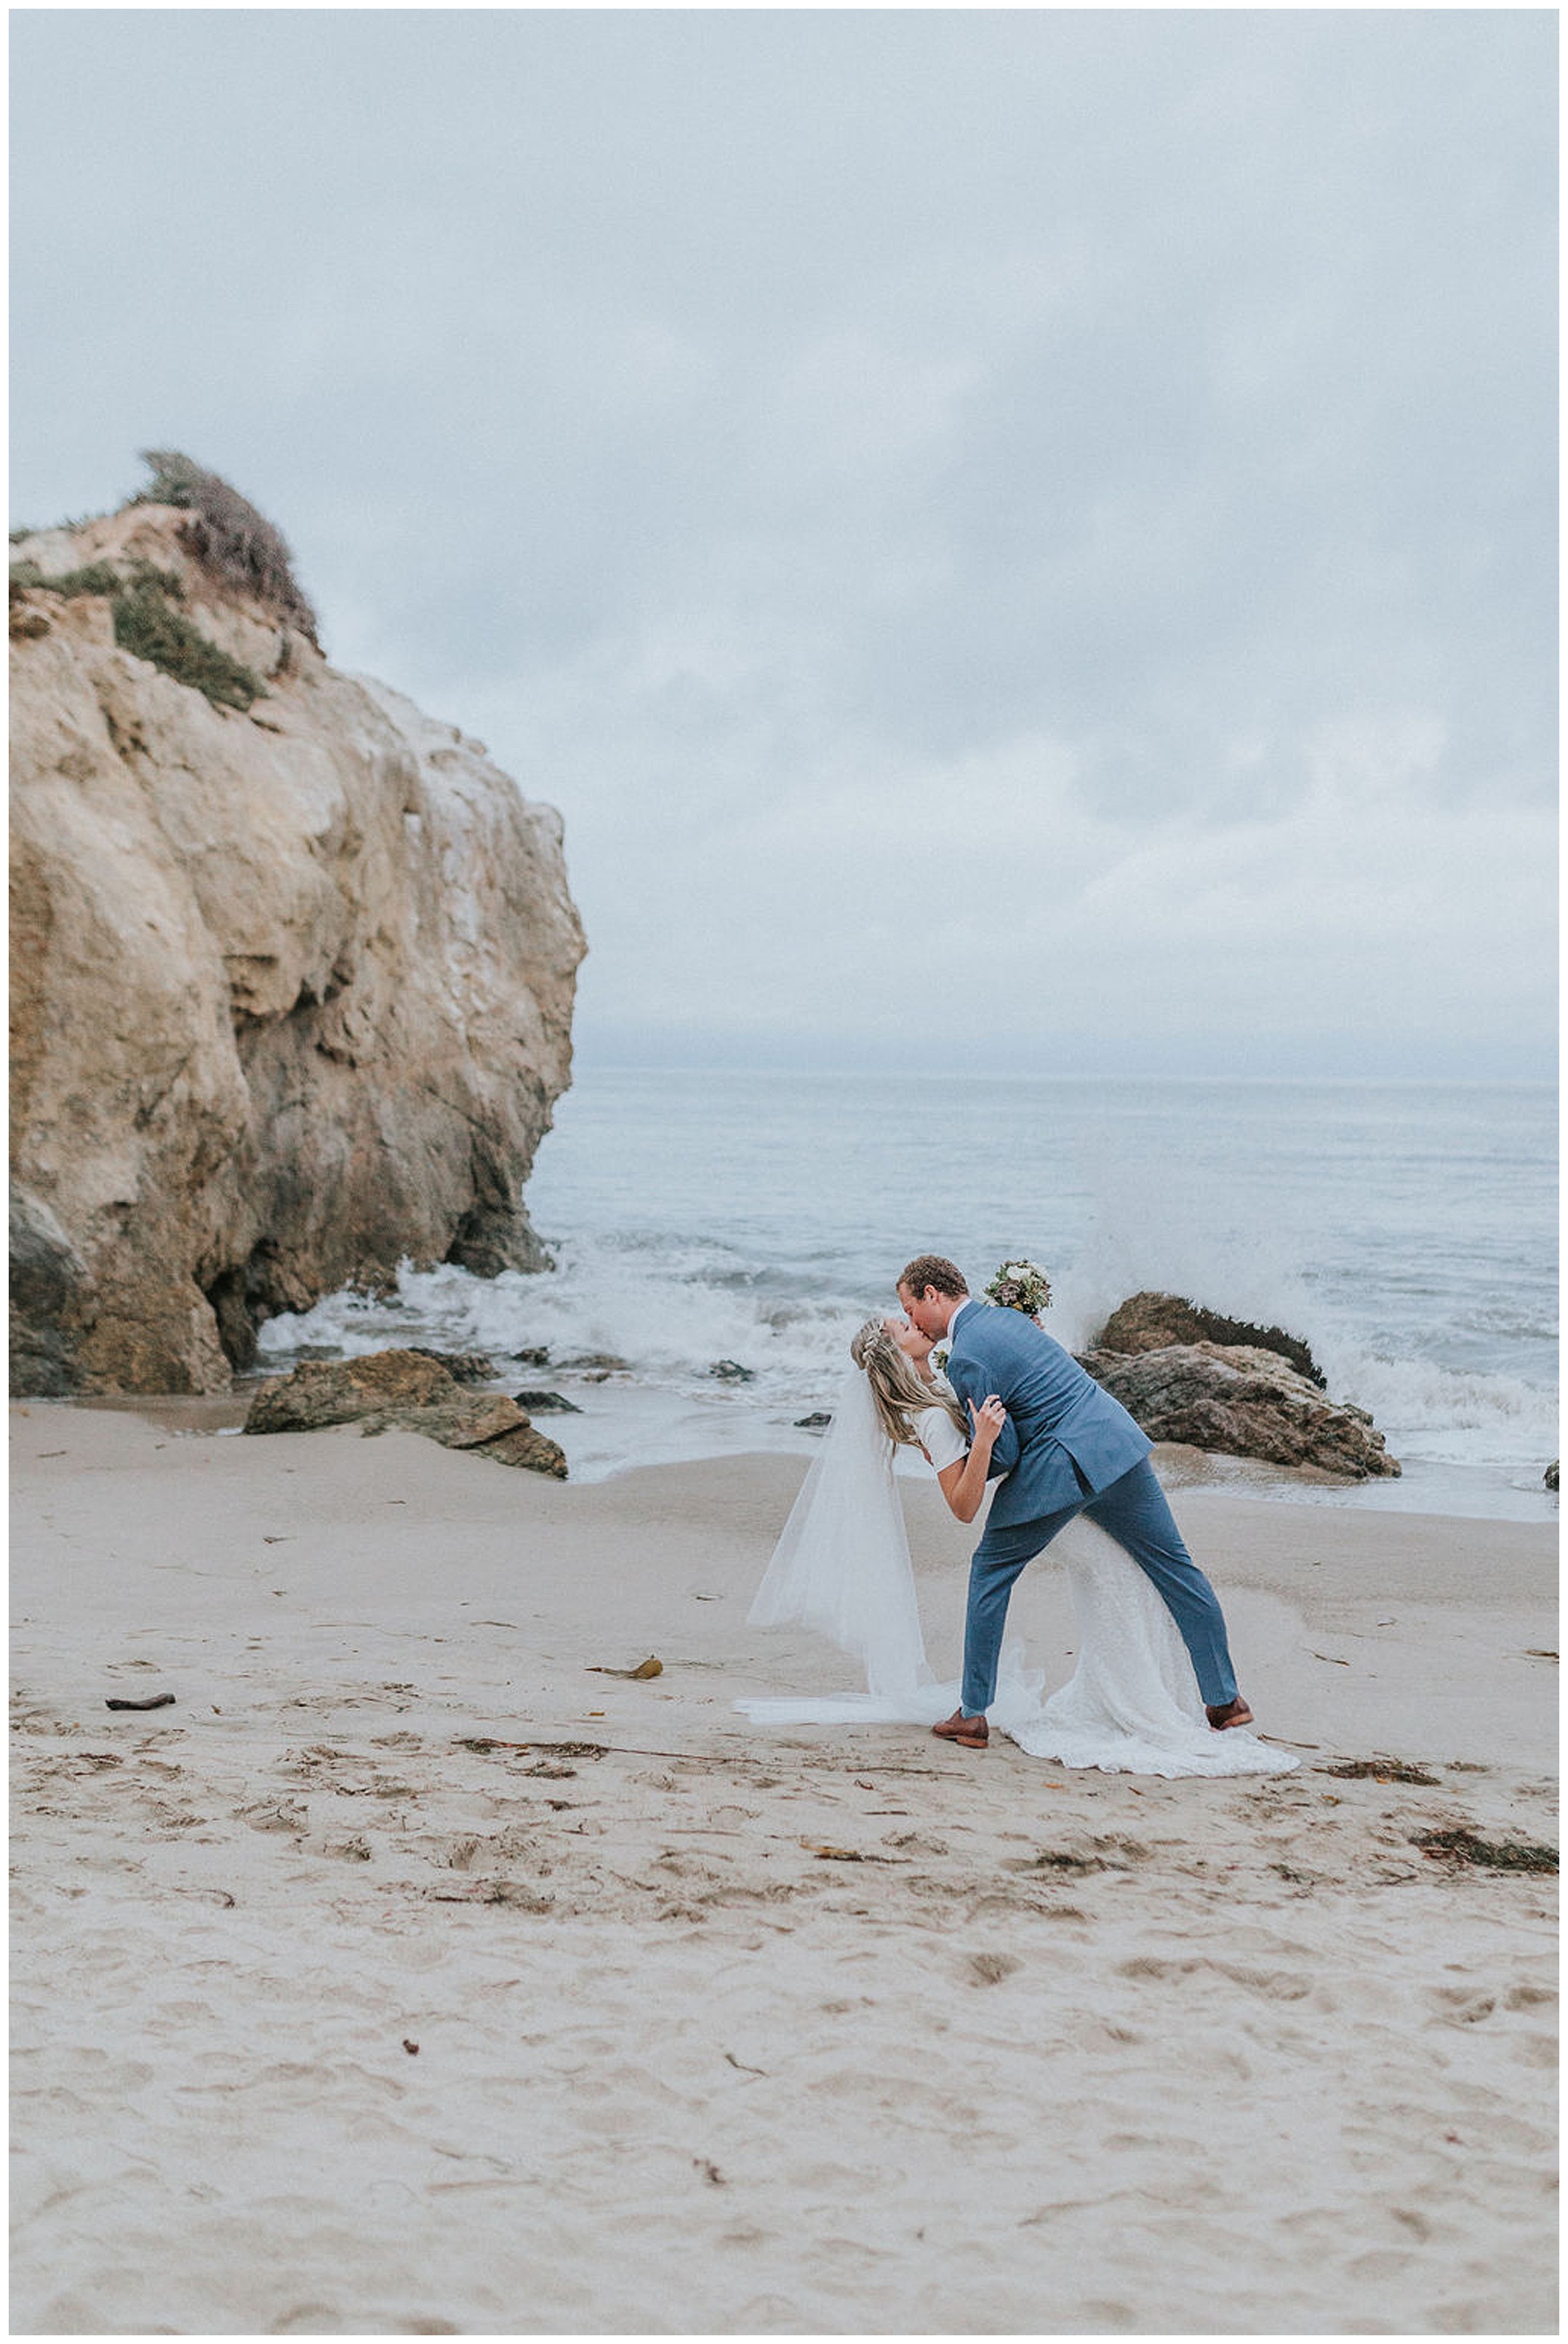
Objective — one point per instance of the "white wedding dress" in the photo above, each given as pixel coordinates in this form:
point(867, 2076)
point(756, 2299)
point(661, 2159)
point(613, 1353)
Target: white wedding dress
point(842, 1567)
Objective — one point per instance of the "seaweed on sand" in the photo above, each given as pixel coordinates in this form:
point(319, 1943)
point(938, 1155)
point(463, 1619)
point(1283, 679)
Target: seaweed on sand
point(1461, 1846)
point(1380, 1770)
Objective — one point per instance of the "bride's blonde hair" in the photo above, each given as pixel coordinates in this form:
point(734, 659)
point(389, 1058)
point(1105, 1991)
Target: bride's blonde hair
point(900, 1393)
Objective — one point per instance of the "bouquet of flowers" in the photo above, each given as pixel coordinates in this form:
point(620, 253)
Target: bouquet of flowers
point(1020, 1286)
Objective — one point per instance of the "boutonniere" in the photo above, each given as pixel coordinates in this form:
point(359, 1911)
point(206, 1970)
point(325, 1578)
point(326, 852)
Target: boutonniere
point(940, 1354)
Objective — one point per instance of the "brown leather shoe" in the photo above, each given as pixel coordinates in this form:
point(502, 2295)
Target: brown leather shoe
point(968, 1732)
point(1230, 1713)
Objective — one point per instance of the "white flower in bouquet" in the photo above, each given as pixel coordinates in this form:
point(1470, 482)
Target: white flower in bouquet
point(1020, 1286)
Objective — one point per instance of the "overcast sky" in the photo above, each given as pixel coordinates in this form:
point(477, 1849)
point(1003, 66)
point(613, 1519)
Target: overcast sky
point(1017, 538)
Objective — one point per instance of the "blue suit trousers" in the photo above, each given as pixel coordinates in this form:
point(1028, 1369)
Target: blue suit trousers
point(1133, 1511)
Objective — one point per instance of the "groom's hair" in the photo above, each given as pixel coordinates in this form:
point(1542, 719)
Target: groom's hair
point(933, 1270)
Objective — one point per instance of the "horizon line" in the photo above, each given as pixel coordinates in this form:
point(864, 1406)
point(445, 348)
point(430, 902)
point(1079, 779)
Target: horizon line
point(854, 1073)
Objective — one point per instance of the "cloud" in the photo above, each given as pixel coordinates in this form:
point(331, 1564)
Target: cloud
point(871, 468)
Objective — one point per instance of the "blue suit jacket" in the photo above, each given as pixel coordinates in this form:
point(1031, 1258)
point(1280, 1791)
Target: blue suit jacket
point(1059, 1417)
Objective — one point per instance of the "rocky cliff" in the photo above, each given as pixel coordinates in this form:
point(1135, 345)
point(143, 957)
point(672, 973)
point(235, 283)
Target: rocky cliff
point(291, 976)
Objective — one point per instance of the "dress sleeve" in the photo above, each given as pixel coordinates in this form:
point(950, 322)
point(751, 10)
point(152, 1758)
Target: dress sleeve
point(940, 1439)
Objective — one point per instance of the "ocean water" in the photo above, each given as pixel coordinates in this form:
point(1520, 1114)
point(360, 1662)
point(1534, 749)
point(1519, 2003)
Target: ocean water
point(1407, 1231)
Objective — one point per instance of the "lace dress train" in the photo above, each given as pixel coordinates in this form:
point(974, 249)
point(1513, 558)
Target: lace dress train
point(1132, 1705)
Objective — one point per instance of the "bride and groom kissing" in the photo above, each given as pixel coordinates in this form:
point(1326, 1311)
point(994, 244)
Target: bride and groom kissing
point(1154, 1690)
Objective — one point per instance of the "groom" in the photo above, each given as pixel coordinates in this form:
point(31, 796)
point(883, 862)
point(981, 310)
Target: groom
point(1066, 1448)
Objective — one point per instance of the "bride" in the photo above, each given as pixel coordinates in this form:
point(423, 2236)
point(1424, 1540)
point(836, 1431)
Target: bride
point(842, 1567)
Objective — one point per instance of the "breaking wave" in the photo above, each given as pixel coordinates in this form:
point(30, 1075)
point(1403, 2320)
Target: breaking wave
point(699, 1224)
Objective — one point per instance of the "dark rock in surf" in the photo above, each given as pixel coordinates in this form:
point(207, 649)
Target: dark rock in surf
point(547, 1403)
point(1154, 1322)
point(730, 1371)
point(404, 1391)
point(339, 1391)
point(463, 1367)
point(1242, 1401)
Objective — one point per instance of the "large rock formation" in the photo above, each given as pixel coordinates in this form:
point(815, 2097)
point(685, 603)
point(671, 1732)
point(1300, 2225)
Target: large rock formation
point(1244, 1402)
point(407, 1392)
point(291, 985)
point(1152, 1322)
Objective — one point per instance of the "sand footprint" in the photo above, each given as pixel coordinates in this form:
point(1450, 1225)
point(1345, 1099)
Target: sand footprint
point(276, 1815)
point(1460, 2005)
point(1275, 1986)
point(326, 2320)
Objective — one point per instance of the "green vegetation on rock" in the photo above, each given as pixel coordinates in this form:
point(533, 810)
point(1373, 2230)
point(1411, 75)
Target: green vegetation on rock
point(147, 624)
point(98, 578)
point(142, 599)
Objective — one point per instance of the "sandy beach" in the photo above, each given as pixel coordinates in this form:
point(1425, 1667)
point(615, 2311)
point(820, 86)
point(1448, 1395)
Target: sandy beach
point(408, 1976)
